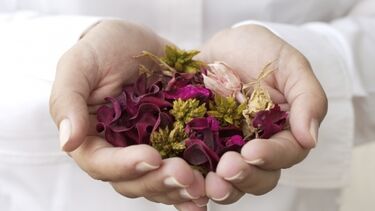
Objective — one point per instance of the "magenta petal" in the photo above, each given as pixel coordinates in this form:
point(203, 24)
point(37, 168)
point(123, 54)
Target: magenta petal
point(147, 119)
point(234, 141)
point(179, 80)
point(197, 153)
point(140, 86)
point(105, 116)
point(204, 122)
point(270, 122)
point(156, 101)
point(189, 92)
point(229, 131)
point(114, 138)
point(205, 129)
point(116, 107)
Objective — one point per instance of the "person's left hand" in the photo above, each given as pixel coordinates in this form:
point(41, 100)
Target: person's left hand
point(256, 170)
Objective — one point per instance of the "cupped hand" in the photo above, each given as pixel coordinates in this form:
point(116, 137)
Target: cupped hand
point(97, 66)
point(293, 85)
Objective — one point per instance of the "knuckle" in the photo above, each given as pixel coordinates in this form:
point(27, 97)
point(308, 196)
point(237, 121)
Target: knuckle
point(150, 188)
point(96, 175)
point(123, 191)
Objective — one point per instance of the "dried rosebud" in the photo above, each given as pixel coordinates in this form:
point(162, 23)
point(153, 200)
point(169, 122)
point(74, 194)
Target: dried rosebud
point(270, 122)
point(221, 79)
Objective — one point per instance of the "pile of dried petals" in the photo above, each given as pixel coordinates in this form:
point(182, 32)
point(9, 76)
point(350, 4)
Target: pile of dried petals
point(190, 109)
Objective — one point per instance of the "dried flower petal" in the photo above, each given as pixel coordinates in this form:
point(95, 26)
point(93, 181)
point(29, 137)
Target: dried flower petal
point(221, 79)
point(169, 143)
point(226, 110)
point(270, 122)
point(134, 114)
point(233, 143)
point(181, 60)
point(206, 129)
point(188, 92)
point(185, 111)
point(197, 153)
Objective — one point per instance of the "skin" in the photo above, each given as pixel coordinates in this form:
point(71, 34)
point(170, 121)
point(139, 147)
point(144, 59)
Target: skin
point(256, 170)
point(102, 61)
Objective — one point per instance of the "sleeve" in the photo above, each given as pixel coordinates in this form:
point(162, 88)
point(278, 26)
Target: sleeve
point(31, 46)
point(341, 54)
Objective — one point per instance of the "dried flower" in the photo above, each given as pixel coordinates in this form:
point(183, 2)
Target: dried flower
point(204, 144)
point(185, 111)
point(260, 100)
point(188, 109)
point(179, 80)
point(134, 114)
point(227, 110)
point(208, 141)
point(221, 79)
point(176, 60)
point(233, 143)
point(198, 154)
point(182, 60)
point(269, 122)
point(189, 92)
point(169, 143)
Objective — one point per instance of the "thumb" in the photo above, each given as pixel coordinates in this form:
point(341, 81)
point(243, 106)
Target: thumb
point(307, 100)
point(76, 72)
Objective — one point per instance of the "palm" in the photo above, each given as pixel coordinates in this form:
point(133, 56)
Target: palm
point(248, 50)
point(111, 61)
point(248, 53)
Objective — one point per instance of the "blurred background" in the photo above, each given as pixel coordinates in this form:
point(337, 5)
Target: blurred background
point(30, 47)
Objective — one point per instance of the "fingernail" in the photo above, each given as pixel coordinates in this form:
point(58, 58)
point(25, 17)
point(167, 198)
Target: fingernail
point(222, 198)
point(145, 167)
point(314, 126)
point(200, 205)
point(65, 130)
point(172, 182)
point(256, 162)
point(237, 177)
point(186, 195)
point(201, 202)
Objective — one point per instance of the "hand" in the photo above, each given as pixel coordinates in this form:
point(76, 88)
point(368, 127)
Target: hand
point(98, 66)
point(248, 49)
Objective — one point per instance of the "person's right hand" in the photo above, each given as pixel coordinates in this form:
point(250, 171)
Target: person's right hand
point(97, 66)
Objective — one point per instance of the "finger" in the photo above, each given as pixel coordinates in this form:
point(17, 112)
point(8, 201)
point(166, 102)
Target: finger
point(76, 72)
point(280, 151)
point(194, 192)
point(245, 177)
point(201, 202)
point(305, 95)
point(104, 162)
point(174, 174)
point(221, 191)
point(190, 206)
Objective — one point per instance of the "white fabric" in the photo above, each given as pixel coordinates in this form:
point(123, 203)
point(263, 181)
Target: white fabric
point(33, 171)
